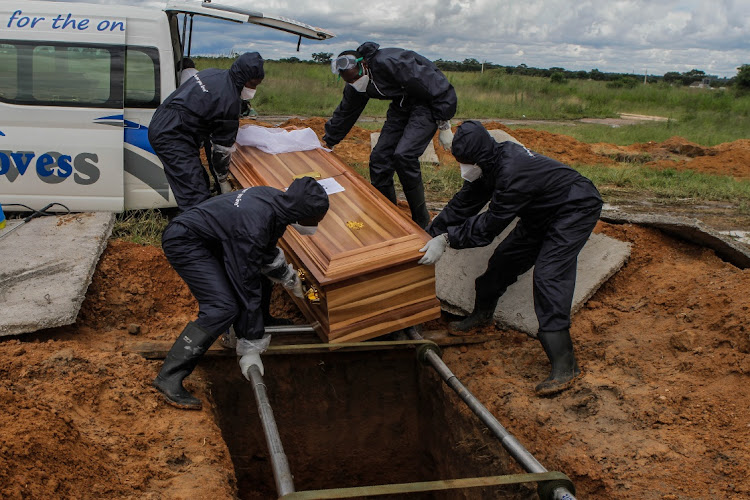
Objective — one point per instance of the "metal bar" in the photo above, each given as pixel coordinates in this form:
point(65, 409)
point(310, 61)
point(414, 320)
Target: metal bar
point(190, 37)
point(510, 443)
point(281, 473)
point(343, 346)
point(290, 329)
point(441, 485)
point(182, 42)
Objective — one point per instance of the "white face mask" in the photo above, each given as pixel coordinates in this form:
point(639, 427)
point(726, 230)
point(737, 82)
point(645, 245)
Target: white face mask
point(304, 230)
point(470, 172)
point(247, 93)
point(361, 84)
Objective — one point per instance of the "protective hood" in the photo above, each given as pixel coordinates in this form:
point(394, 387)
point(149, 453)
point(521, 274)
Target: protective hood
point(473, 144)
point(304, 198)
point(247, 67)
point(368, 49)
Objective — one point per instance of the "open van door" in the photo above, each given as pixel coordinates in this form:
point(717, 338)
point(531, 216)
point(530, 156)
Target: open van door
point(240, 15)
point(61, 107)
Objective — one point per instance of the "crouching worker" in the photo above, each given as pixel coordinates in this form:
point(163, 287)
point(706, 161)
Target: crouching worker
point(222, 248)
point(557, 207)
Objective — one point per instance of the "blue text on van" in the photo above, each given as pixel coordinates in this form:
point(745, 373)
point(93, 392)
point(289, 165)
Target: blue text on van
point(51, 167)
point(18, 20)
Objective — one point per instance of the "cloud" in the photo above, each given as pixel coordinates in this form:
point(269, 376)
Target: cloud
point(622, 36)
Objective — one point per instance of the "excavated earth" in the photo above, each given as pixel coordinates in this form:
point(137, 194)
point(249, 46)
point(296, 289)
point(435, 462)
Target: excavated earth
point(661, 411)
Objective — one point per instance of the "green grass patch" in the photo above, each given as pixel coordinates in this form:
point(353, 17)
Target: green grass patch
point(441, 182)
point(707, 117)
point(140, 226)
point(668, 184)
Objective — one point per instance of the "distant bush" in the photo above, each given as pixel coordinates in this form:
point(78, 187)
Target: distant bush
point(628, 82)
point(558, 77)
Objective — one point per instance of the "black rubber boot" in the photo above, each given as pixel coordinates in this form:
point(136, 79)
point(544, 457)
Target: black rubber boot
point(180, 362)
point(389, 192)
point(266, 289)
point(559, 349)
point(418, 206)
point(481, 316)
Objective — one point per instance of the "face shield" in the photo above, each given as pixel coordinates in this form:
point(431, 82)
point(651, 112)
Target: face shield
point(345, 62)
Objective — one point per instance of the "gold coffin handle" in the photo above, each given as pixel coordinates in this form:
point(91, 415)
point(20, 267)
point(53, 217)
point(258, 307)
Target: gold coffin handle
point(310, 292)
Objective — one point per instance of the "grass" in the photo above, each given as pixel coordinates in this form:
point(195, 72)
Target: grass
point(668, 184)
point(706, 117)
point(440, 182)
point(140, 226)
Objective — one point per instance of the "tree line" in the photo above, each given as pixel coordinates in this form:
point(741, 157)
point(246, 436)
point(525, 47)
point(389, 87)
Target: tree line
point(560, 75)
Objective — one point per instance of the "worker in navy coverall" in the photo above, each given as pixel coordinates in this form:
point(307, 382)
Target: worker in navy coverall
point(222, 248)
point(557, 209)
point(422, 99)
point(206, 107)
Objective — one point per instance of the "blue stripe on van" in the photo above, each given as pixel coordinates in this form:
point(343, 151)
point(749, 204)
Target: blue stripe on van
point(135, 134)
point(1, 133)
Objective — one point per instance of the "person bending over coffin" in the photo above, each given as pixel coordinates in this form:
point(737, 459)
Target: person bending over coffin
point(557, 209)
point(222, 249)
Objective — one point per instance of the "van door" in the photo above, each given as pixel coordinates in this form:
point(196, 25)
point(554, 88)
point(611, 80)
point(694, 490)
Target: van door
point(61, 108)
point(240, 15)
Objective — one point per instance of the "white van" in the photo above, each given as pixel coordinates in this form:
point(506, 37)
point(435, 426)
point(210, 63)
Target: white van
point(78, 86)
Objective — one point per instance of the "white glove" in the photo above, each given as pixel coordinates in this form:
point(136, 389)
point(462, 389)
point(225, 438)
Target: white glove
point(288, 278)
point(294, 285)
point(249, 352)
point(225, 186)
point(434, 249)
point(249, 360)
point(223, 151)
point(445, 137)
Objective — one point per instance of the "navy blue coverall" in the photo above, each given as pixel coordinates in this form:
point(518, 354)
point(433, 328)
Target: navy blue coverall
point(220, 246)
point(207, 107)
point(420, 96)
point(557, 207)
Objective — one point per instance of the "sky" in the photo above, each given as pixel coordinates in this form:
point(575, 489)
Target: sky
point(621, 36)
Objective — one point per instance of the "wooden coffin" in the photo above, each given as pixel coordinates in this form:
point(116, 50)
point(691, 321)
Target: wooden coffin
point(360, 268)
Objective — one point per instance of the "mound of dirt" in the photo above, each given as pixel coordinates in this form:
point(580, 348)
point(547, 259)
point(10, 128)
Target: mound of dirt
point(134, 284)
point(665, 352)
point(79, 422)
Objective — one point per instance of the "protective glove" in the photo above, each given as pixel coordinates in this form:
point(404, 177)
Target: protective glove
point(288, 278)
point(294, 284)
point(220, 158)
point(224, 185)
point(249, 352)
point(445, 137)
point(434, 249)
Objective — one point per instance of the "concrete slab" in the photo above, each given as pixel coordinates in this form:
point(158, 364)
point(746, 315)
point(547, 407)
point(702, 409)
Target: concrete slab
point(456, 271)
point(692, 230)
point(502, 136)
point(429, 155)
point(48, 267)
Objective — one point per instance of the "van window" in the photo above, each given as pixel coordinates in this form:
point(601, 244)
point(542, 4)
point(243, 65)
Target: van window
point(52, 74)
point(70, 74)
point(8, 76)
point(142, 78)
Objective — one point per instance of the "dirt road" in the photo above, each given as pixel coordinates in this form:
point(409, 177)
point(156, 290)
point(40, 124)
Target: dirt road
point(660, 413)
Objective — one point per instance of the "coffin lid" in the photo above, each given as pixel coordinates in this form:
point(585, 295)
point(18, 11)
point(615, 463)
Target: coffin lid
point(362, 231)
